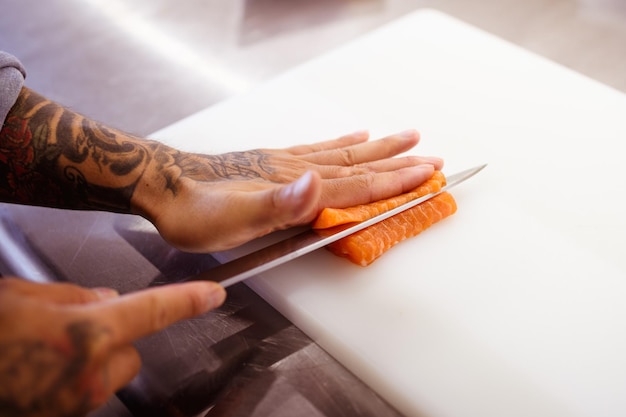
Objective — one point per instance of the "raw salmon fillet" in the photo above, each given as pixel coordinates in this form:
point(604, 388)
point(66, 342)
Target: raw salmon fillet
point(330, 217)
point(367, 245)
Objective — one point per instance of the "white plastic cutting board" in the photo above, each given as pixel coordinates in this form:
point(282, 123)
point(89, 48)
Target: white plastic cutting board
point(514, 306)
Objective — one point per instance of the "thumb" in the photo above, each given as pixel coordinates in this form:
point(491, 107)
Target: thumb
point(297, 202)
point(262, 212)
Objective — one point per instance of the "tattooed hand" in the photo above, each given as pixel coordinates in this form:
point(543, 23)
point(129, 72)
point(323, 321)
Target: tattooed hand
point(64, 349)
point(207, 203)
point(52, 156)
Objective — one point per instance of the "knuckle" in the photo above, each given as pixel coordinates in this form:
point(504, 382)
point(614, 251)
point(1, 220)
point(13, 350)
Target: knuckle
point(364, 185)
point(160, 316)
point(82, 295)
point(196, 303)
point(354, 171)
point(90, 339)
point(347, 156)
point(192, 304)
point(367, 182)
point(344, 172)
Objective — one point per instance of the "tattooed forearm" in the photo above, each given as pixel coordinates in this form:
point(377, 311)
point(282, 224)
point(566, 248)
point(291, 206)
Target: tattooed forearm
point(52, 156)
point(38, 378)
point(55, 157)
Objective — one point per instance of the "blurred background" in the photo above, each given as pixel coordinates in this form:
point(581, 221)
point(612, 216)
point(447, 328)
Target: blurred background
point(141, 65)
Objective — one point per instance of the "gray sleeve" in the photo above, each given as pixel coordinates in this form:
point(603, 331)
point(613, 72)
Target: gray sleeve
point(12, 76)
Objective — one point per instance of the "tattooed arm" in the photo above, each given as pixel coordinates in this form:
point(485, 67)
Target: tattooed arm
point(52, 156)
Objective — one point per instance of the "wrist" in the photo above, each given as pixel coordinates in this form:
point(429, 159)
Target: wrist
point(158, 183)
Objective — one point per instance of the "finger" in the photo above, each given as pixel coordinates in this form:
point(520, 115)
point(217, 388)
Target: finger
point(58, 293)
point(115, 371)
point(121, 367)
point(367, 151)
point(138, 314)
point(341, 142)
point(393, 164)
point(366, 188)
point(384, 165)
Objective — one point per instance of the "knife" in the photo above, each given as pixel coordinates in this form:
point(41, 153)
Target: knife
point(237, 270)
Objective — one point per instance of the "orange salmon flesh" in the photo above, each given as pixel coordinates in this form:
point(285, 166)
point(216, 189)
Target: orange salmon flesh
point(367, 245)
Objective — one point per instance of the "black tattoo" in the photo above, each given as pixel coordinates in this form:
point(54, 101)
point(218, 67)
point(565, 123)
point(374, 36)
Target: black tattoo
point(37, 378)
point(175, 165)
point(241, 165)
point(52, 156)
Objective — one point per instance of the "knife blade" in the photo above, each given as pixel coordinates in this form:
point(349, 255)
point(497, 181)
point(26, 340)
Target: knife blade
point(252, 264)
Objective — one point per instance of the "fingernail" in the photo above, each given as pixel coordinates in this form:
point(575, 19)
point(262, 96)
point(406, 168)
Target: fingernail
point(432, 159)
point(411, 134)
point(296, 190)
point(105, 293)
point(216, 296)
point(426, 167)
point(360, 133)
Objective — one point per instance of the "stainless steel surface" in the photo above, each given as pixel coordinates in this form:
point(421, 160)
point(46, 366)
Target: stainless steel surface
point(17, 256)
point(307, 241)
point(144, 64)
point(242, 359)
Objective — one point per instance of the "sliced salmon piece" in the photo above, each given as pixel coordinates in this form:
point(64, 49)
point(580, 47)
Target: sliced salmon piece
point(365, 246)
point(330, 217)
